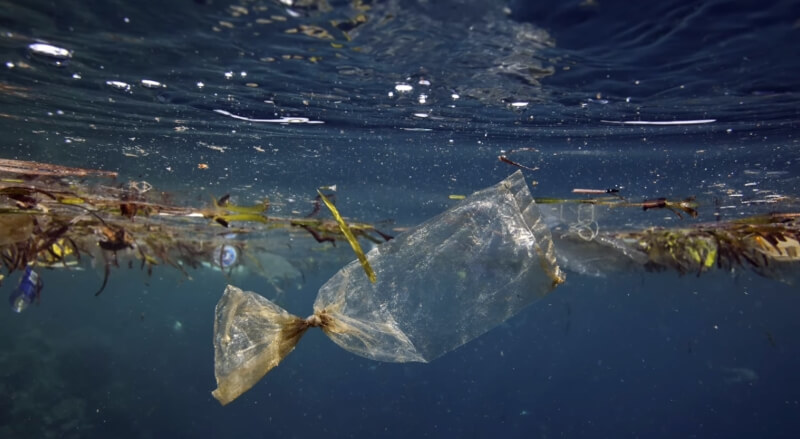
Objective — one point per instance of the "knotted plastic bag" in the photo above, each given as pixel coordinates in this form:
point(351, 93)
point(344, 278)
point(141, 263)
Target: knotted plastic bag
point(439, 285)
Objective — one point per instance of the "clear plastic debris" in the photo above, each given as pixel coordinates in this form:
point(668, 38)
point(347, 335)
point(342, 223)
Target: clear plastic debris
point(438, 286)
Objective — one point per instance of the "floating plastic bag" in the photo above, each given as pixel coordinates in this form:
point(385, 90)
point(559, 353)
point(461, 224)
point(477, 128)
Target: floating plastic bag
point(438, 286)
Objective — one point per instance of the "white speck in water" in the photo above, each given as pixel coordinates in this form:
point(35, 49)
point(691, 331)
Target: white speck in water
point(77, 76)
point(50, 50)
point(147, 83)
point(200, 84)
point(119, 85)
point(228, 75)
point(403, 88)
point(10, 64)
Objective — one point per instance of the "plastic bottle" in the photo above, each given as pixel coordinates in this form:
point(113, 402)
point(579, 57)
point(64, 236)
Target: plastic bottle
point(225, 256)
point(26, 292)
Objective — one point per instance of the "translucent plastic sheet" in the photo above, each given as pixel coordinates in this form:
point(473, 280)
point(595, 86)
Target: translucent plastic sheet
point(438, 286)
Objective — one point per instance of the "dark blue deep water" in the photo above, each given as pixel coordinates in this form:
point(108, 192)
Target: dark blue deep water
point(401, 103)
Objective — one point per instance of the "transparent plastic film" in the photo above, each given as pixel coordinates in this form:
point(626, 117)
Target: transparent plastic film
point(251, 336)
point(448, 280)
point(440, 285)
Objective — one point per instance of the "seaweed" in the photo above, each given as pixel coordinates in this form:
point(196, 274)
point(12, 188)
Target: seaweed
point(61, 217)
point(350, 238)
point(757, 243)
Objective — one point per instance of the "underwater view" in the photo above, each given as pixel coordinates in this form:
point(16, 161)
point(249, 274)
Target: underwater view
point(399, 218)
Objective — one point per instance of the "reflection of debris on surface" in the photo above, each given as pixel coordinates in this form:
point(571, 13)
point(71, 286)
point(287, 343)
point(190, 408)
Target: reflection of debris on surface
point(213, 147)
point(134, 151)
point(739, 375)
point(275, 267)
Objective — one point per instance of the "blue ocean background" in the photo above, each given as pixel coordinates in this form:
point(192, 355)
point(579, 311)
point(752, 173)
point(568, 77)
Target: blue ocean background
point(417, 100)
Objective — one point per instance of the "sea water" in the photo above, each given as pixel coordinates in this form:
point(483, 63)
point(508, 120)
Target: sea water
point(401, 104)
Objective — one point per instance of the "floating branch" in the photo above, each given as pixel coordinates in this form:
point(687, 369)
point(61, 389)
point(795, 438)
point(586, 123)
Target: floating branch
point(20, 167)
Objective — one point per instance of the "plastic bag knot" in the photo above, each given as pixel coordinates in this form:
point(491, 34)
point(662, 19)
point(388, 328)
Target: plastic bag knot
point(313, 321)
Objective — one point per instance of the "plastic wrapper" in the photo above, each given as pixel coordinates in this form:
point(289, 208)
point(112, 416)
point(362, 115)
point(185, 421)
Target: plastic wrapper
point(439, 285)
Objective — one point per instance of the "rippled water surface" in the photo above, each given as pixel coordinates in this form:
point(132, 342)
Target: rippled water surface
point(401, 104)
